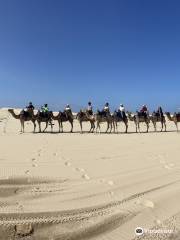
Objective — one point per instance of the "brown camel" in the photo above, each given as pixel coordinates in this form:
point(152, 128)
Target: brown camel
point(64, 117)
point(100, 118)
point(84, 116)
point(44, 117)
point(174, 118)
point(155, 117)
point(137, 119)
point(118, 118)
point(24, 116)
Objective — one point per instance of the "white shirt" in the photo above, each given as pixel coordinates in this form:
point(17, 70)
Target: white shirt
point(106, 108)
point(89, 108)
point(122, 109)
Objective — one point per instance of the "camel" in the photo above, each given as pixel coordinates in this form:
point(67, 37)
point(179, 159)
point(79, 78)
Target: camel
point(84, 116)
point(64, 117)
point(44, 117)
point(174, 118)
point(155, 117)
point(137, 119)
point(100, 118)
point(118, 118)
point(24, 117)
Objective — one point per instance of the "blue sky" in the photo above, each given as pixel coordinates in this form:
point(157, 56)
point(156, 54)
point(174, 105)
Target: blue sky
point(73, 51)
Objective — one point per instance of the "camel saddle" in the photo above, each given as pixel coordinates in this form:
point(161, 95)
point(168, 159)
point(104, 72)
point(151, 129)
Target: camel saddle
point(102, 113)
point(120, 115)
point(44, 114)
point(141, 114)
point(25, 113)
point(64, 114)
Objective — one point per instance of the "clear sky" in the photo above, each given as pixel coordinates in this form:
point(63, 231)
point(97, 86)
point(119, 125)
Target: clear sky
point(73, 51)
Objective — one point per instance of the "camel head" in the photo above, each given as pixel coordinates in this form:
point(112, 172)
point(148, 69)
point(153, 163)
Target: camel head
point(17, 116)
point(168, 116)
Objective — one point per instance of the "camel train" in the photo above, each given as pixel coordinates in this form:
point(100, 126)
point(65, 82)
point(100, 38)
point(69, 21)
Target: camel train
point(95, 119)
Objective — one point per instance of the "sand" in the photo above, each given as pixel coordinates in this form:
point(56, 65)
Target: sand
point(64, 186)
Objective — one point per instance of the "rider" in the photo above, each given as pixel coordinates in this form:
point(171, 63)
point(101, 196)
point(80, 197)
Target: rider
point(122, 110)
point(90, 108)
point(144, 111)
point(45, 109)
point(106, 109)
point(67, 108)
point(30, 106)
point(160, 111)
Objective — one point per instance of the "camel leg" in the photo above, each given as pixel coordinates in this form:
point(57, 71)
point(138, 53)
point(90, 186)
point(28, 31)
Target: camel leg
point(39, 126)
point(116, 127)
point(22, 126)
point(147, 126)
point(126, 127)
point(110, 127)
point(176, 126)
point(59, 126)
point(98, 127)
point(45, 127)
point(136, 127)
point(164, 126)
point(91, 127)
point(51, 126)
point(107, 127)
point(81, 126)
point(71, 127)
point(154, 124)
point(138, 124)
point(34, 125)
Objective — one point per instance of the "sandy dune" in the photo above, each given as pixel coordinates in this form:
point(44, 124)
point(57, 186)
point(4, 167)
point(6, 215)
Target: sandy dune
point(88, 186)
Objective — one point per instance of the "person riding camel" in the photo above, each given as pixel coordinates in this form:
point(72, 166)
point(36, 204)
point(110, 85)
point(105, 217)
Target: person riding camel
point(122, 110)
point(45, 109)
point(30, 106)
point(67, 108)
point(160, 111)
point(106, 109)
point(144, 111)
point(90, 108)
point(28, 109)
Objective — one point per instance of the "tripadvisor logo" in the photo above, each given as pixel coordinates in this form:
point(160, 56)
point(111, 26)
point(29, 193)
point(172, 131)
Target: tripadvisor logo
point(139, 231)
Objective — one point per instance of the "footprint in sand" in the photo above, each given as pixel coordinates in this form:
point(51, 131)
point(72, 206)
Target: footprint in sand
point(169, 166)
point(102, 180)
point(79, 169)
point(85, 176)
point(110, 182)
point(34, 165)
point(111, 193)
point(157, 221)
point(145, 202)
point(68, 164)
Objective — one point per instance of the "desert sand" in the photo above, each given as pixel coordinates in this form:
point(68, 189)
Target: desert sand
point(72, 186)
